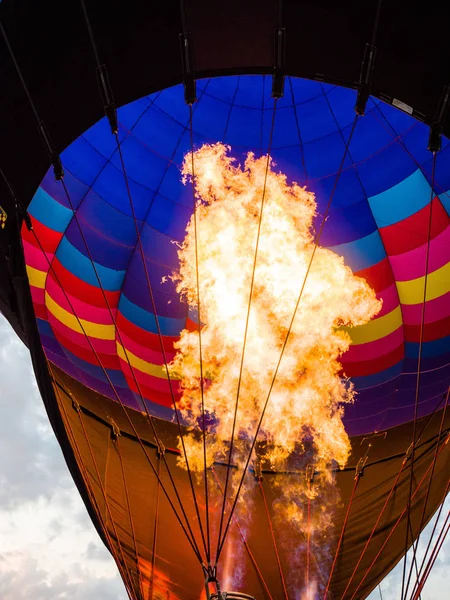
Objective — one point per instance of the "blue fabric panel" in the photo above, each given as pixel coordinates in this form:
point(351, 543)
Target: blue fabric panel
point(245, 127)
point(299, 91)
point(173, 188)
point(159, 131)
point(107, 220)
point(130, 114)
point(83, 160)
point(348, 224)
point(158, 245)
point(102, 249)
point(368, 138)
point(169, 217)
point(341, 104)
point(324, 156)
point(346, 193)
point(143, 165)
point(385, 169)
point(99, 136)
point(110, 185)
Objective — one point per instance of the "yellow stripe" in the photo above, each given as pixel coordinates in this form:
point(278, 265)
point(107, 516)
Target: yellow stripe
point(438, 284)
point(377, 328)
point(94, 330)
point(36, 278)
point(143, 365)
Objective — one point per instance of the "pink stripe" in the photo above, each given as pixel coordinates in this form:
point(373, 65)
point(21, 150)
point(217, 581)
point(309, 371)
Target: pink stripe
point(436, 309)
point(372, 350)
point(151, 356)
point(82, 310)
point(390, 300)
point(34, 257)
point(411, 265)
point(154, 383)
point(100, 346)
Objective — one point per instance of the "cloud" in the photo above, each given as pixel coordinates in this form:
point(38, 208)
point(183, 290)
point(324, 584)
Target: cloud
point(49, 548)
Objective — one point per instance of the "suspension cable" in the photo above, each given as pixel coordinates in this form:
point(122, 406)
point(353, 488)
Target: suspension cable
point(318, 236)
point(274, 542)
point(199, 331)
point(419, 364)
point(110, 111)
point(402, 514)
point(119, 400)
point(87, 481)
point(424, 507)
point(116, 439)
point(437, 548)
point(121, 560)
point(241, 533)
point(341, 537)
point(59, 174)
point(155, 535)
point(247, 321)
point(438, 516)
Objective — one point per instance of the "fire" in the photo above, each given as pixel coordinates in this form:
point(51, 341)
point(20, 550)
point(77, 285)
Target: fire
point(306, 402)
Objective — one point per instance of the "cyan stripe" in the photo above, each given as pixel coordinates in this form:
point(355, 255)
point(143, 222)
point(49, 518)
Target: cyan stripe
point(147, 321)
point(401, 201)
point(363, 253)
point(81, 266)
point(49, 212)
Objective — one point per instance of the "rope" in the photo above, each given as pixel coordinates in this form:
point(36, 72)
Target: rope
point(150, 289)
point(87, 481)
point(393, 529)
point(419, 363)
point(424, 507)
point(155, 534)
point(438, 516)
point(436, 550)
point(247, 320)
point(341, 537)
point(272, 533)
point(191, 541)
point(119, 560)
point(247, 547)
point(199, 330)
point(127, 498)
point(293, 318)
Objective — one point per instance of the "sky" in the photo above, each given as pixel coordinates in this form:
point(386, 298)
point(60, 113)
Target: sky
point(49, 549)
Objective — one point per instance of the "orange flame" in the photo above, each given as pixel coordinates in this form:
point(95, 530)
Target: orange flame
point(307, 398)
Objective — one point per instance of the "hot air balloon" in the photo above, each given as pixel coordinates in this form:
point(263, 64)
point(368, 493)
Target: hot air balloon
point(121, 149)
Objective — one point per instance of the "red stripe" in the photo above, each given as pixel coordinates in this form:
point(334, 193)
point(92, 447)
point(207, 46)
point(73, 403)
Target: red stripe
point(378, 276)
point(143, 337)
point(154, 395)
point(369, 367)
point(90, 294)
point(48, 238)
point(108, 361)
point(432, 331)
point(40, 311)
point(412, 232)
